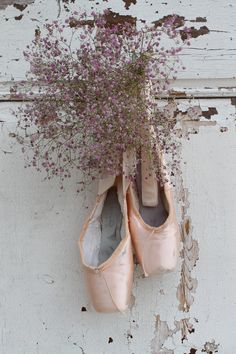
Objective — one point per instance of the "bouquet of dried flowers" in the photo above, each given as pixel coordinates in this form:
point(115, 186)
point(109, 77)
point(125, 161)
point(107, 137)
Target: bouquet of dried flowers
point(97, 85)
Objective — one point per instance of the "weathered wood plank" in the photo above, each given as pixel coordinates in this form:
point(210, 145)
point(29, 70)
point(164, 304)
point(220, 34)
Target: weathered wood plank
point(211, 56)
point(44, 307)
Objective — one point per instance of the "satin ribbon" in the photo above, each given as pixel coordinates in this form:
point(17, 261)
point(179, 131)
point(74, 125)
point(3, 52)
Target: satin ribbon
point(129, 163)
point(148, 177)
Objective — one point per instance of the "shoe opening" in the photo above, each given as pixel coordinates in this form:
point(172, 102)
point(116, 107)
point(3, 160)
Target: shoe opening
point(105, 229)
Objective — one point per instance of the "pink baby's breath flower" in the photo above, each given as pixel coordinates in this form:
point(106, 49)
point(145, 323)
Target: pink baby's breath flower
point(98, 99)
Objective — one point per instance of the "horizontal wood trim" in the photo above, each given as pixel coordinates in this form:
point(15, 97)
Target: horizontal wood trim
point(202, 88)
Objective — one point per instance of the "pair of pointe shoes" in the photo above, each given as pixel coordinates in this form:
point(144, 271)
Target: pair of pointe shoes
point(127, 216)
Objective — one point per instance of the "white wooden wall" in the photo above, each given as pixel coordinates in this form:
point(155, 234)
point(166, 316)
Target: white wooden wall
point(44, 307)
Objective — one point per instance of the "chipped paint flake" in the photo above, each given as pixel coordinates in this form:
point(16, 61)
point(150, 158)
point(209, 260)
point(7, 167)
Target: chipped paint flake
point(211, 347)
point(185, 327)
point(189, 254)
point(162, 332)
point(193, 126)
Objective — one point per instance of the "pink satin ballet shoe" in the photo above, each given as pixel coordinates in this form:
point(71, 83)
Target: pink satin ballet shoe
point(153, 224)
point(106, 249)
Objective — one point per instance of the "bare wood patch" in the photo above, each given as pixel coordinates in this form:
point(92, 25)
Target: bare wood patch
point(193, 351)
point(128, 3)
point(194, 33)
point(210, 112)
point(19, 4)
point(199, 19)
point(233, 101)
point(178, 22)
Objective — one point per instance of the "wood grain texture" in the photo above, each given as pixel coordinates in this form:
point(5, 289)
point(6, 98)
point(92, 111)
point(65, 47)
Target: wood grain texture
point(211, 55)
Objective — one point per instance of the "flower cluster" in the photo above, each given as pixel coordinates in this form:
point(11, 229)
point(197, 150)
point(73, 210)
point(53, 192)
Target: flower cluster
point(98, 82)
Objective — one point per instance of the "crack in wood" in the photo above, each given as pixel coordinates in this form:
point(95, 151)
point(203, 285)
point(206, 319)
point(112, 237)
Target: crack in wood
point(59, 8)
